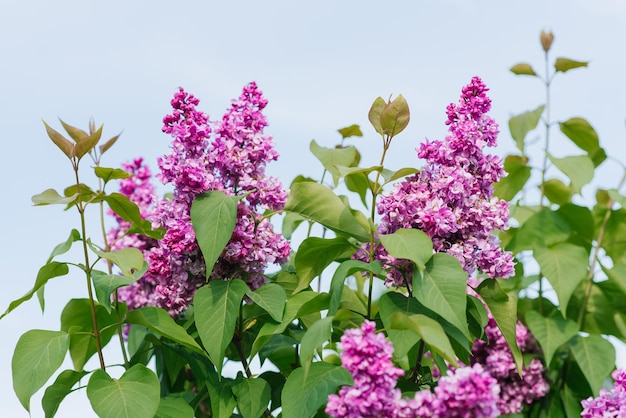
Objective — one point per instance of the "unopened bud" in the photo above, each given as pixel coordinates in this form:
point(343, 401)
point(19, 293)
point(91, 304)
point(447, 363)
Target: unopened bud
point(546, 40)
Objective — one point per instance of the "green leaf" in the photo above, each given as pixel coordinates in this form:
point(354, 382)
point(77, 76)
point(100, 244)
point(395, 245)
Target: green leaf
point(135, 394)
point(566, 64)
point(595, 357)
point(129, 260)
point(518, 173)
point(38, 354)
point(108, 174)
point(565, 265)
point(398, 174)
point(160, 321)
point(105, 284)
point(374, 114)
point(318, 203)
point(395, 116)
point(216, 309)
point(85, 145)
point(402, 339)
point(129, 211)
point(331, 158)
point(172, 407)
point(344, 270)
point(56, 392)
point(76, 134)
point(46, 272)
point(213, 216)
point(64, 247)
point(313, 339)
point(411, 244)
point(557, 192)
point(428, 330)
point(442, 289)
point(551, 333)
point(253, 396)
point(349, 131)
point(271, 297)
point(291, 222)
point(503, 308)
point(109, 143)
point(578, 168)
point(614, 243)
point(76, 320)
point(543, 229)
point(585, 137)
point(52, 197)
point(580, 221)
point(60, 141)
point(322, 380)
point(523, 69)
point(617, 197)
point(523, 123)
point(222, 399)
point(315, 254)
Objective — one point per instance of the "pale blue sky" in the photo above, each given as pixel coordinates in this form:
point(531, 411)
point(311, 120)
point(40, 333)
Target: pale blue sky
point(319, 63)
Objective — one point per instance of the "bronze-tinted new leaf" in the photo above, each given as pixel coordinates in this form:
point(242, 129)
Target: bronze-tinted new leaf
point(60, 141)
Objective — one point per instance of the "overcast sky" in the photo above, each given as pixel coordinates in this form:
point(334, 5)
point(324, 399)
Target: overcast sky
point(320, 64)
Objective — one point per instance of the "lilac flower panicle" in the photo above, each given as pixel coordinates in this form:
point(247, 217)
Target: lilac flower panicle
point(451, 199)
point(610, 404)
point(496, 358)
point(228, 156)
point(465, 392)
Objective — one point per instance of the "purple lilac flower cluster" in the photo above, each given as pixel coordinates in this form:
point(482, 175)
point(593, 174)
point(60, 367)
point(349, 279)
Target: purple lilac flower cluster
point(139, 190)
point(465, 392)
point(451, 199)
point(608, 403)
point(496, 358)
point(234, 163)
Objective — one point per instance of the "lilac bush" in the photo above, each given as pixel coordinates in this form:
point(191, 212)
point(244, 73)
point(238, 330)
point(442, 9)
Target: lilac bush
point(608, 404)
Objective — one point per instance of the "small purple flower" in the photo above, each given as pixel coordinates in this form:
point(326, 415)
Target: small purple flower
point(608, 403)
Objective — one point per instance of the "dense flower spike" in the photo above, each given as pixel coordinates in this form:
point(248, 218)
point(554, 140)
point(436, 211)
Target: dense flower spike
point(496, 358)
point(234, 163)
point(451, 199)
point(464, 392)
point(608, 403)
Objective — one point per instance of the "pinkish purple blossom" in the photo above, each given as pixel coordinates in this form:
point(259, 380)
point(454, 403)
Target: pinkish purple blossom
point(496, 358)
point(233, 162)
point(451, 199)
point(465, 392)
point(608, 404)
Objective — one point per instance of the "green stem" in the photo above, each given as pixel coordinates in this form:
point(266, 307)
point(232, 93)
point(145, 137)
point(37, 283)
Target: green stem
point(81, 211)
point(594, 259)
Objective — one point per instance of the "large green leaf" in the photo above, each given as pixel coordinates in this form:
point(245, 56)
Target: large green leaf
point(160, 321)
point(252, 395)
point(105, 284)
point(523, 123)
point(581, 133)
point(442, 289)
point(344, 270)
point(315, 254)
point(557, 192)
point(551, 333)
point(318, 203)
point(129, 260)
point(503, 308)
point(129, 211)
point(313, 339)
point(76, 320)
point(171, 407)
point(304, 394)
point(518, 173)
point(331, 158)
point(56, 392)
point(222, 399)
point(135, 394)
point(271, 297)
point(543, 229)
point(565, 265)
point(578, 168)
point(389, 304)
point(428, 330)
point(46, 272)
point(411, 244)
point(213, 216)
point(595, 357)
point(38, 354)
point(216, 309)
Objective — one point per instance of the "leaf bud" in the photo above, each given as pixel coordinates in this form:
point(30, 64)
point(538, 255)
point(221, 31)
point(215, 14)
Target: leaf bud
point(546, 40)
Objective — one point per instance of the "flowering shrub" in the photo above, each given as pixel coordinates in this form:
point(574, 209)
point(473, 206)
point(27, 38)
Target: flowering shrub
point(497, 301)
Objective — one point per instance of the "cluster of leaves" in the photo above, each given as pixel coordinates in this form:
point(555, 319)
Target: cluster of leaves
point(572, 271)
point(292, 327)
